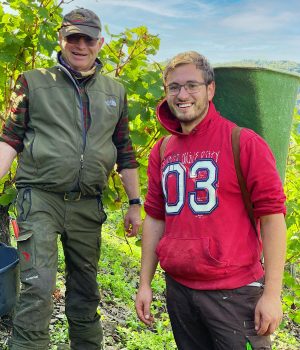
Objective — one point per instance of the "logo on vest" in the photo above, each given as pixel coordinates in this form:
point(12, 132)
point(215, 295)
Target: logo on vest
point(111, 102)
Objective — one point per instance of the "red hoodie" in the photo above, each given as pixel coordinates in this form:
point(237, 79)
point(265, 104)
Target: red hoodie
point(209, 242)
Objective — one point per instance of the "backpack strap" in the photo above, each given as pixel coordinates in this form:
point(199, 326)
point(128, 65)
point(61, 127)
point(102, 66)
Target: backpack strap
point(235, 141)
point(163, 146)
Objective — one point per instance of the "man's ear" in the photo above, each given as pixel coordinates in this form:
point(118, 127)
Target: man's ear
point(101, 42)
point(211, 90)
point(60, 38)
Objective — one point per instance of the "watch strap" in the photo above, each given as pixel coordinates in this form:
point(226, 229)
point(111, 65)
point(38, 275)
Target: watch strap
point(135, 201)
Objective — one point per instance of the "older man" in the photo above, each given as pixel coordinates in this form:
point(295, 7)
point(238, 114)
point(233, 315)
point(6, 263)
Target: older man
point(70, 125)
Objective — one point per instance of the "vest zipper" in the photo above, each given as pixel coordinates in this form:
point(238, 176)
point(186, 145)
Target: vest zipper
point(82, 123)
point(81, 161)
point(83, 136)
point(81, 108)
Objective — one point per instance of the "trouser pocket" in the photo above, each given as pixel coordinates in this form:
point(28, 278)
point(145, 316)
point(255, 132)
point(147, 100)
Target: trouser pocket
point(26, 251)
point(25, 241)
point(38, 261)
point(24, 204)
point(101, 213)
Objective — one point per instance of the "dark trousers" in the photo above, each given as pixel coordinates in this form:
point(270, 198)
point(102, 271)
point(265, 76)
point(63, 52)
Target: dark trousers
point(42, 216)
point(214, 320)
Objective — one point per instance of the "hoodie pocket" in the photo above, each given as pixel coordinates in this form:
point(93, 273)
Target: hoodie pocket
point(190, 259)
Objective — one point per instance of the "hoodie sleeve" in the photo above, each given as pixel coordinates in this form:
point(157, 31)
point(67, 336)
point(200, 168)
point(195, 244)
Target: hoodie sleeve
point(155, 203)
point(262, 178)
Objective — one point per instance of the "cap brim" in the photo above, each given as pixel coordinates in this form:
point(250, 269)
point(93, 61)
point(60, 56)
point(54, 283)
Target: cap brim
point(80, 29)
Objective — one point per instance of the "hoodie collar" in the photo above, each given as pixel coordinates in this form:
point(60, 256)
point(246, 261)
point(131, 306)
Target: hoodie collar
point(170, 123)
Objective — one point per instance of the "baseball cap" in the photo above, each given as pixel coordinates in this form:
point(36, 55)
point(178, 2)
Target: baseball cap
point(81, 21)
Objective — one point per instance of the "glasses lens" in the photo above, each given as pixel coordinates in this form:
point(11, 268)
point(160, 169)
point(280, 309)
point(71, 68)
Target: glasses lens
point(192, 87)
point(173, 89)
point(75, 38)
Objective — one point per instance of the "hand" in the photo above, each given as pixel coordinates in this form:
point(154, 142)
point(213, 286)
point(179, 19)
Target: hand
point(142, 305)
point(268, 314)
point(132, 220)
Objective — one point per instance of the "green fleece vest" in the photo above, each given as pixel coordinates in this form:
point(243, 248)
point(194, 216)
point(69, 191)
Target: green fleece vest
point(56, 156)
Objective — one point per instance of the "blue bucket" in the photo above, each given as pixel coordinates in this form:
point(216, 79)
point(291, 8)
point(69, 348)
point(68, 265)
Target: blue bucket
point(8, 278)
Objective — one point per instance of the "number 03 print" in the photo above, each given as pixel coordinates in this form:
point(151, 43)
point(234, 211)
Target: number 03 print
point(202, 199)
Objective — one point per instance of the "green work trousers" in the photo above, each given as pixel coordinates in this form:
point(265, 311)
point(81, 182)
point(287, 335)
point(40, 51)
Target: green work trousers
point(42, 216)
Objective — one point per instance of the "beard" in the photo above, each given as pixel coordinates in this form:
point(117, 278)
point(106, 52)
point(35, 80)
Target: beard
point(190, 115)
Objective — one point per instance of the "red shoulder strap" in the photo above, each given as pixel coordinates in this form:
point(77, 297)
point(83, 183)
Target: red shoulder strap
point(163, 146)
point(235, 141)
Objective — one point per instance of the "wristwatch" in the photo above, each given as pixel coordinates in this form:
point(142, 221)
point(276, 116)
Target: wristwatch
point(135, 201)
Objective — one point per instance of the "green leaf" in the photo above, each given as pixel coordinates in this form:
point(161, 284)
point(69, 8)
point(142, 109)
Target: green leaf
point(138, 242)
point(6, 199)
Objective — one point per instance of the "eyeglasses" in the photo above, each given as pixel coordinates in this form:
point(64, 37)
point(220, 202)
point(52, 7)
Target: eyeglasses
point(75, 39)
point(191, 87)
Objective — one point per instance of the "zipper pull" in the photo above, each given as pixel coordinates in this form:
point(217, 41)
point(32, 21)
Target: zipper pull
point(81, 161)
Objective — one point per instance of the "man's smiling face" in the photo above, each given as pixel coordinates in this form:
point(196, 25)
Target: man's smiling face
point(80, 54)
point(189, 108)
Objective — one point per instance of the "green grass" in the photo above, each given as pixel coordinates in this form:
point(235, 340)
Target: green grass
point(118, 281)
point(119, 275)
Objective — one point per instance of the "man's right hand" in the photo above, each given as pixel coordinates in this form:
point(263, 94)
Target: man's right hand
point(142, 305)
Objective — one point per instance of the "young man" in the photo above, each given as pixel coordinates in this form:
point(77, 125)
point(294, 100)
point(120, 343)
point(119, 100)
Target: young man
point(70, 125)
point(219, 296)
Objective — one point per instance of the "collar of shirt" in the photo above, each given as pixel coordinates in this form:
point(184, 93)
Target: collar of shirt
point(78, 75)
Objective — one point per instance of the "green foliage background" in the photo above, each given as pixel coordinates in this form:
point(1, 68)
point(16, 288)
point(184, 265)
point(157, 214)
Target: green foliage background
point(28, 39)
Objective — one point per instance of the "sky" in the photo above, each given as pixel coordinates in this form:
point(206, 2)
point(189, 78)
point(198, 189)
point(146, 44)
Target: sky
point(222, 30)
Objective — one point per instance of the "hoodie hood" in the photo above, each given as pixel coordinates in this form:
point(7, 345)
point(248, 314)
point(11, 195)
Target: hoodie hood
point(172, 124)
